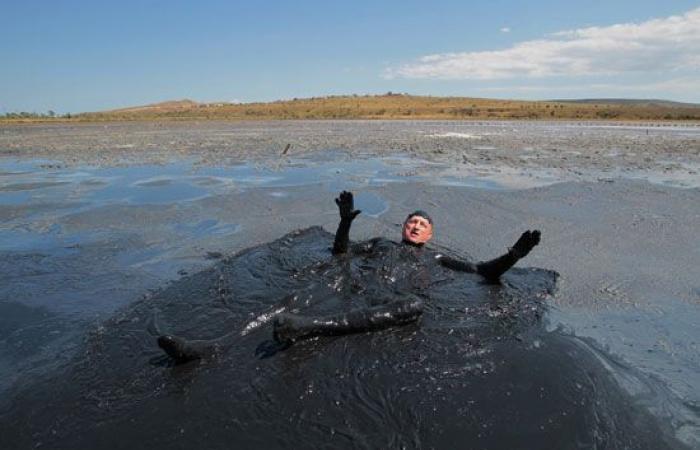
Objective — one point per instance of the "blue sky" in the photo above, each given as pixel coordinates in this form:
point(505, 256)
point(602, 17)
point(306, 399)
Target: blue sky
point(72, 56)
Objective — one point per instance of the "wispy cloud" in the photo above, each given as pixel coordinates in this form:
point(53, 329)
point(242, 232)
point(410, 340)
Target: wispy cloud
point(656, 46)
point(505, 30)
point(681, 85)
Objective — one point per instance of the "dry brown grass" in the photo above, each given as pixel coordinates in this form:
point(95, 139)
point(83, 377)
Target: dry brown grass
point(397, 106)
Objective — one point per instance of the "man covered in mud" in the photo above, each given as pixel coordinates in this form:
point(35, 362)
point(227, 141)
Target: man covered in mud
point(392, 277)
point(402, 265)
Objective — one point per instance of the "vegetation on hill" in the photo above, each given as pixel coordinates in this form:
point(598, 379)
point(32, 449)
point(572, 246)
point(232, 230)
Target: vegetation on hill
point(403, 106)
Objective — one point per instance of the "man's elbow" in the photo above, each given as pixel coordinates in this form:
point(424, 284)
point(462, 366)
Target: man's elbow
point(338, 250)
point(492, 279)
point(489, 276)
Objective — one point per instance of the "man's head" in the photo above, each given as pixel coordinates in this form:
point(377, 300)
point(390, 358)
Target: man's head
point(417, 228)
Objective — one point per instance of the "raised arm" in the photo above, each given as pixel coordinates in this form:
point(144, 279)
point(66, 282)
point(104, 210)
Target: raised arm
point(492, 270)
point(346, 206)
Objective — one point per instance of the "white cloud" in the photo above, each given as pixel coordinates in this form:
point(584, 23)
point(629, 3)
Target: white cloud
point(658, 45)
point(505, 30)
point(681, 85)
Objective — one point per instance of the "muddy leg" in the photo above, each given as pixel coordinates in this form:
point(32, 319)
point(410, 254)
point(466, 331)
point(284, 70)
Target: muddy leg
point(291, 327)
point(182, 350)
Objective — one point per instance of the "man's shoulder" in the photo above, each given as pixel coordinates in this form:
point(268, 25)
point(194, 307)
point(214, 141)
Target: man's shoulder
point(374, 244)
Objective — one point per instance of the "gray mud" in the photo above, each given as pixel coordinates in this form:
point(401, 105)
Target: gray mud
point(96, 219)
point(546, 151)
point(479, 371)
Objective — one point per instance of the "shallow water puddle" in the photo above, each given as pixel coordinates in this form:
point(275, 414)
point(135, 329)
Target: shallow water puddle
point(144, 223)
point(35, 194)
point(27, 182)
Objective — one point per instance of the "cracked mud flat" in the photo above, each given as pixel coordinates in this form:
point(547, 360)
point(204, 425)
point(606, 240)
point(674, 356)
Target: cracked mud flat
point(94, 218)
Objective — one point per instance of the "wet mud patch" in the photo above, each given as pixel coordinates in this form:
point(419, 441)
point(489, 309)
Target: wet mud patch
point(18, 187)
point(21, 327)
point(480, 370)
point(32, 337)
point(158, 182)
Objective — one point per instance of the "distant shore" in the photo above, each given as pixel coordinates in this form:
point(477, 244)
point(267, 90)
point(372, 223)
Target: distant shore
point(387, 107)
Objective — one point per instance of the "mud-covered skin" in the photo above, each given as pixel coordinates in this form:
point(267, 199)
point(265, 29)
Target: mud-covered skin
point(384, 284)
point(375, 284)
point(400, 263)
point(348, 213)
point(289, 328)
point(391, 277)
point(183, 351)
point(493, 269)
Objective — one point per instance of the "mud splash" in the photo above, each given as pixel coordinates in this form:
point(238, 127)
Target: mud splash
point(480, 371)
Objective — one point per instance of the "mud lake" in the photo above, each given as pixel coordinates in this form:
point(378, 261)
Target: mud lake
point(604, 353)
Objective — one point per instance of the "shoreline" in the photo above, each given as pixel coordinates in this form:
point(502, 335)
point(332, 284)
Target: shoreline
point(542, 151)
point(195, 119)
point(398, 106)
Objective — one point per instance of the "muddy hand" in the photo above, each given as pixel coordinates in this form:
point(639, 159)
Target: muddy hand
point(527, 241)
point(346, 204)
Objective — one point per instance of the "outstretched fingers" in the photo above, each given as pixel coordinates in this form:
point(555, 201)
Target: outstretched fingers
point(346, 204)
point(535, 236)
point(344, 198)
point(531, 239)
point(526, 242)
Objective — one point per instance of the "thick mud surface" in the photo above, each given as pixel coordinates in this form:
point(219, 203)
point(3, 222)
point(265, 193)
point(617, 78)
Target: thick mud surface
point(100, 225)
point(480, 370)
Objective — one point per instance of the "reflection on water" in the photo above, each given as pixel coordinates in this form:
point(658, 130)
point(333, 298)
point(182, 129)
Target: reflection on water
point(14, 198)
point(370, 204)
point(51, 242)
point(206, 227)
point(181, 181)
